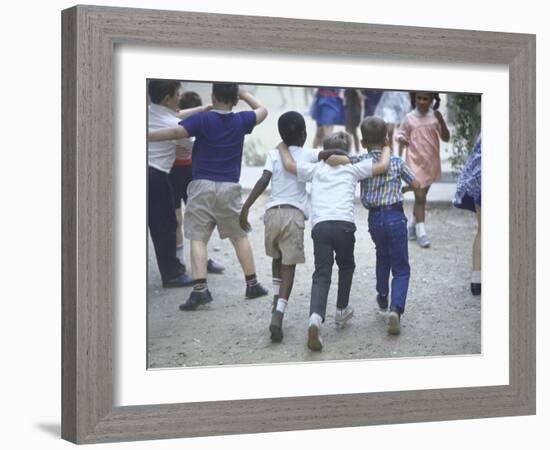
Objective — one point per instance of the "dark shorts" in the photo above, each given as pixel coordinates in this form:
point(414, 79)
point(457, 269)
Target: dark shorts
point(180, 177)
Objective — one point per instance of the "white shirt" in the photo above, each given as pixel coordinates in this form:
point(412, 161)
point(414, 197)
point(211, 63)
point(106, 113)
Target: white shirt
point(333, 188)
point(286, 189)
point(161, 155)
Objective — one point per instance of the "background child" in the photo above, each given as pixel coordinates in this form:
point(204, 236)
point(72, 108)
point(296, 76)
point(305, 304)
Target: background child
point(382, 196)
point(327, 110)
point(421, 132)
point(352, 108)
point(214, 195)
point(181, 173)
point(333, 226)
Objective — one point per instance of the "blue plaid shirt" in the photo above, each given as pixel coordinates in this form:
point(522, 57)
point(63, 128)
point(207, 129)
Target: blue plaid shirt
point(384, 190)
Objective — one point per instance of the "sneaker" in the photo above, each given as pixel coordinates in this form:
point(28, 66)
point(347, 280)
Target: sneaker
point(343, 315)
point(411, 232)
point(475, 288)
point(394, 322)
point(313, 339)
point(276, 326)
point(423, 241)
point(255, 291)
point(214, 267)
point(196, 300)
point(382, 301)
point(182, 280)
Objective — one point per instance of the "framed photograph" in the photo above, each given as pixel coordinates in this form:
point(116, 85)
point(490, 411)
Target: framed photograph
point(116, 386)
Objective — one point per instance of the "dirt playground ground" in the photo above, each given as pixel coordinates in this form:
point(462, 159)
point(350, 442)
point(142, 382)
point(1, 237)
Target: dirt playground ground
point(442, 317)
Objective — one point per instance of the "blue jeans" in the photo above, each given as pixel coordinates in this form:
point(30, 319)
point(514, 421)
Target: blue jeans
point(388, 230)
point(332, 238)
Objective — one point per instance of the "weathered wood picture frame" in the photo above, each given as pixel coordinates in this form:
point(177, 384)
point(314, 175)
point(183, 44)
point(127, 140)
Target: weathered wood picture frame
point(90, 34)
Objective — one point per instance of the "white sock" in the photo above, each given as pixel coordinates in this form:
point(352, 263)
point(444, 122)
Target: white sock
point(412, 222)
point(281, 305)
point(420, 229)
point(476, 277)
point(276, 284)
point(179, 253)
point(315, 319)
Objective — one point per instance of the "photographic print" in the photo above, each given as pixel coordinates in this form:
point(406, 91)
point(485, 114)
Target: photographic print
point(292, 224)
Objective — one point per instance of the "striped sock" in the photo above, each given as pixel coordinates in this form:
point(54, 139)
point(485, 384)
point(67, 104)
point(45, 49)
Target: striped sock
point(251, 280)
point(200, 285)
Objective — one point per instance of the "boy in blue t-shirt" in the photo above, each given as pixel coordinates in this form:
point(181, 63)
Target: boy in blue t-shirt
point(214, 195)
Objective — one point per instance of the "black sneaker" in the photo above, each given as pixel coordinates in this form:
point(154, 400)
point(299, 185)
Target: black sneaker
point(475, 288)
point(276, 326)
point(195, 300)
point(255, 291)
point(182, 280)
point(382, 301)
point(214, 267)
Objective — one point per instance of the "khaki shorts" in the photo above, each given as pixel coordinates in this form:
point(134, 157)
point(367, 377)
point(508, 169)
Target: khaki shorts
point(284, 235)
point(211, 204)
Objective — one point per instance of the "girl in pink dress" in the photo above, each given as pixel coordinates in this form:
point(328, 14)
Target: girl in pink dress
point(421, 132)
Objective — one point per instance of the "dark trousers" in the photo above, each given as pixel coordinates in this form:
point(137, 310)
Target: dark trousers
point(388, 229)
point(161, 218)
point(332, 238)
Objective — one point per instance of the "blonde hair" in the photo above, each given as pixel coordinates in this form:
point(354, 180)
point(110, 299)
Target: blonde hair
point(339, 140)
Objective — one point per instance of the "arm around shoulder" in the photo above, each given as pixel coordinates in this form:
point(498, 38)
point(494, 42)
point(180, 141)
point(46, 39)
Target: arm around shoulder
point(167, 134)
point(286, 158)
point(380, 167)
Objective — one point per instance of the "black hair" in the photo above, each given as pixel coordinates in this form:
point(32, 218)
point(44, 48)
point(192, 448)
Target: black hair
point(158, 89)
point(339, 140)
point(374, 131)
point(292, 128)
point(435, 98)
point(226, 92)
point(189, 99)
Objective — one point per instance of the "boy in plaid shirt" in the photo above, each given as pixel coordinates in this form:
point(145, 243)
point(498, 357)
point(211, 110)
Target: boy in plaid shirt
point(382, 196)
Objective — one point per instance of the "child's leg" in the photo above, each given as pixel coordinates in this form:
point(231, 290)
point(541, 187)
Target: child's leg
point(401, 271)
point(344, 243)
point(476, 254)
point(199, 257)
point(276, 280)
point(419, 208)
point(323, 252)
point(383, 264)
point(287, 280)
point(244, 254)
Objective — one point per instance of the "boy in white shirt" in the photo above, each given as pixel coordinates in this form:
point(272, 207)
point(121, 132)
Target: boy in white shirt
point(333, 226)
point(286, 211)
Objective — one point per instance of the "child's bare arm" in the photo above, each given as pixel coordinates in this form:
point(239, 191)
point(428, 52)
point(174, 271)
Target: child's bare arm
point(167, 134)
point(184, 113)
point(287, 159)
point(380, 167)
point(257, 190)
point(259, 109)
point(414, 185)
point(445, 134)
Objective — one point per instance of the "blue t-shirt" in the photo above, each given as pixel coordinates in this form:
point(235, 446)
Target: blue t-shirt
point(218, 146)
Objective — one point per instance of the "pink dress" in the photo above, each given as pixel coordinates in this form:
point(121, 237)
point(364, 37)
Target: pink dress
point(423, 133)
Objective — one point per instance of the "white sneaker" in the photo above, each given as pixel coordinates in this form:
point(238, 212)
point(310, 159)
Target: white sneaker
point(343, 315)
point(423, 241)
point(394, 323)
point(314, 342)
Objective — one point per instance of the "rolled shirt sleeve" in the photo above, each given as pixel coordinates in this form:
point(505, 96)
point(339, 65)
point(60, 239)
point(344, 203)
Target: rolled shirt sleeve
point(363, 169)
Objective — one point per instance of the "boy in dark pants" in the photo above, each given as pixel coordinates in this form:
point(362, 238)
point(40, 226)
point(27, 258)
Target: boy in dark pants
point(333, 227)
point(382, 196)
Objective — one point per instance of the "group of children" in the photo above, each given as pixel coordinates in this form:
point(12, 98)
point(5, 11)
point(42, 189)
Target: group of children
point(214, 199)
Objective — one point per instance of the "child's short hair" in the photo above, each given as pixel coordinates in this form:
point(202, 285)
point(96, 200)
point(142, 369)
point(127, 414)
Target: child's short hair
point(339, 140)
point(292, 127)
point(226, 92)
point(189, 99)
point(158, 89)
point(374, 130)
